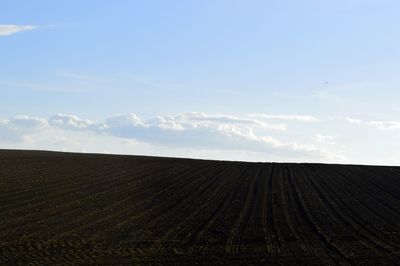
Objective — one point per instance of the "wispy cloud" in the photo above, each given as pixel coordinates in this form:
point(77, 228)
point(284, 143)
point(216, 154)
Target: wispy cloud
point(300, 118)
point(324, 139)
point(384, 125)
point(8, 29)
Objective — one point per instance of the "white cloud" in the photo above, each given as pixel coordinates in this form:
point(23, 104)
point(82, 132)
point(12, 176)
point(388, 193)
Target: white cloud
point(202, 130)
point(195, 117)
point(124, 120)
point(19, 127)
point(383, 125)
point(27, 122)
point(12, 29)
point(198, 120)
point(73, 122)
point(191, 132)
point(324, 139)
point(353, 120)
point(300, 118)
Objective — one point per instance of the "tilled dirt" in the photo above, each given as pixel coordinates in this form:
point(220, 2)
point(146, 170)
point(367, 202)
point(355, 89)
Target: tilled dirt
point(89, 209)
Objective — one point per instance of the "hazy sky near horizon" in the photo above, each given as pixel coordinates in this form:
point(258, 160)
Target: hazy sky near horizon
point(306, 80)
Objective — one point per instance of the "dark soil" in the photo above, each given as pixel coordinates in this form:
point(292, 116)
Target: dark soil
point(89, 209)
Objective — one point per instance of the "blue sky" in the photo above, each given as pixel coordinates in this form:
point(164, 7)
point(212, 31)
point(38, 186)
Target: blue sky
point(280, 80)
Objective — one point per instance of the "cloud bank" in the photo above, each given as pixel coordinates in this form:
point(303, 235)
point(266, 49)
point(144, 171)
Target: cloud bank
point(190, 134)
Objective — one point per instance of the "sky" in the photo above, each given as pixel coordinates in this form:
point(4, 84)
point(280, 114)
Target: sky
point(254, 80)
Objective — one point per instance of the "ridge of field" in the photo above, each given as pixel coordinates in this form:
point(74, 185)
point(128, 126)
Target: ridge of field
point(69, 208)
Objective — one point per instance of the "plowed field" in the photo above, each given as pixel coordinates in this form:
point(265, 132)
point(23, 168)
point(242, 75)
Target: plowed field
point(64, 208)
